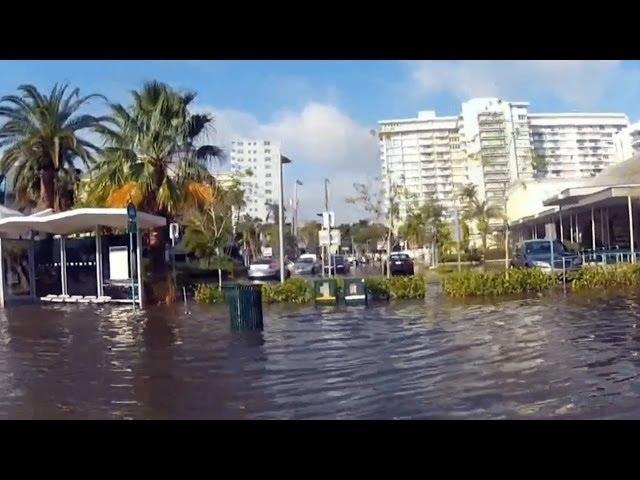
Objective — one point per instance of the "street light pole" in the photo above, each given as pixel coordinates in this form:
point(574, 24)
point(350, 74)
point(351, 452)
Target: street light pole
point(283, 160)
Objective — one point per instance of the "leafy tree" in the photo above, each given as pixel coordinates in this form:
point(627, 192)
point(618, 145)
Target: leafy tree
point(209, 230)
point(308, 233)
point(373, 202)
point(539, 164)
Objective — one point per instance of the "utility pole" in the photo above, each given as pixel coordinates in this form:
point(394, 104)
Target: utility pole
point(326, 209)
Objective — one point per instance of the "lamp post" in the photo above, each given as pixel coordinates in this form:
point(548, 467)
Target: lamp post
point(283, 160)
point(295, 212)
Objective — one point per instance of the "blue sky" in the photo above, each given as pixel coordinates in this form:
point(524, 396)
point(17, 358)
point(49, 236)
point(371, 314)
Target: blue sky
point(322, 111)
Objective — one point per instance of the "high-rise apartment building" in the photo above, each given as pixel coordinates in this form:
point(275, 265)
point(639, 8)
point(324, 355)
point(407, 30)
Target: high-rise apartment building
point(262, 187)
point(492, 143)
point(627, 142)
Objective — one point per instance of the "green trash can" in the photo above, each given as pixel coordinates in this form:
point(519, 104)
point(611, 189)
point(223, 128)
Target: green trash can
point(245, 306)
point(229, 292)
point(355, 292)
point(325, 291)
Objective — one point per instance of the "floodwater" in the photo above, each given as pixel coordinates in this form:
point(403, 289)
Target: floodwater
point(549, 357)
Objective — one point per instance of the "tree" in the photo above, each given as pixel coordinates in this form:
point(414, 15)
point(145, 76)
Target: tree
point(209, 230)
point(42, 139)
point(481, 212)
point(308, 233)
point(151, 159)
point(424, 224)
point(374, 203)
point(250, 229)
point(539, 164)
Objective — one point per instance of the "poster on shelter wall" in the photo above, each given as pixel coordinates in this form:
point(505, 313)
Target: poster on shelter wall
point(119, 263)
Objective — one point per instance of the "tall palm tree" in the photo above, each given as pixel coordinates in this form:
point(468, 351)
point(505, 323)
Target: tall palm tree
point(152, 158)
point(41, 136)
point(480, 211)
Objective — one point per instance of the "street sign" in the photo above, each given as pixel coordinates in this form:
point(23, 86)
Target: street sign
point(174, 231)
point(326, 239)
point(132, 213)
point(335, 236)
point(328, 219)
point(267, 251)
point(323, 238)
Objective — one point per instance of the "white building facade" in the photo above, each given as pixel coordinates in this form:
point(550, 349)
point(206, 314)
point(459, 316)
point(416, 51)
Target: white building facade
point(627, 142)
point(493, 144)
point(261, 188)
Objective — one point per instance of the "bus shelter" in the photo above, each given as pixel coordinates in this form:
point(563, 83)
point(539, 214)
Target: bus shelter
point(65, 254)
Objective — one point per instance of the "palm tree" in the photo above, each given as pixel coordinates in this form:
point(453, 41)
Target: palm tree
point(250, 229)
point(151, 158)
point(42, 138)
point(480, 211)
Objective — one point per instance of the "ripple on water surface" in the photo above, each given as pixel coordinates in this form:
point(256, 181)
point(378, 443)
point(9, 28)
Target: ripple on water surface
point(554, 356)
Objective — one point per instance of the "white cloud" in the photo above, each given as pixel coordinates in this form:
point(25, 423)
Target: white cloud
point(577, 82)
point(322, 141)
point(318, 133)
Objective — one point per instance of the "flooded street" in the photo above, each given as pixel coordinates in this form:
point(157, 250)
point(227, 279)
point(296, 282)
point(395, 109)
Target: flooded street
point(549, 357)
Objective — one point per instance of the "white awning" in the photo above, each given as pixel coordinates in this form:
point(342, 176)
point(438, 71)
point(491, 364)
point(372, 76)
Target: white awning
point(8, 212)
point(77, 221)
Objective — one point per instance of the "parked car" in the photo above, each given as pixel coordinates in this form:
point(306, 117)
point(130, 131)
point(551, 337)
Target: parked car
point(266, 268)
point(341, 264)
point(400, 264)
point(537, 254)
point(306, 265)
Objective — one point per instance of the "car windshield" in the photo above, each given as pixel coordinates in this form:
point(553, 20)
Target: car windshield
point(305, 260)
point(544, 247)
point(400, 256)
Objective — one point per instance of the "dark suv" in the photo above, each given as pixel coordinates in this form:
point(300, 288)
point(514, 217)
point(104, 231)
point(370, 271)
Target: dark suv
point(537, 254)
point(400, 264)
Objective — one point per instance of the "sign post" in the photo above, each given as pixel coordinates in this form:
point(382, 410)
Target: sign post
point(174, 233)
point(132, 215)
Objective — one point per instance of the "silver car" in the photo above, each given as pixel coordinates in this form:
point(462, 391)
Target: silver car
point(306, 266)
point(265, 268)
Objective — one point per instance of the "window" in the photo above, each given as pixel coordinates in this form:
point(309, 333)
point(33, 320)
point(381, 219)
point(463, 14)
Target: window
point(268, 175)
point(268, 184)
point(266, 142)
point(267, 159)
point(522, 117)
point(267, 191)
point(239, 143)
point(266, 150)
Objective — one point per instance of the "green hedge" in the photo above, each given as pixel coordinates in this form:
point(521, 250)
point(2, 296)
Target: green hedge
point(411, 287)
point(469, 284)
point(598, 277)
point(293, 290)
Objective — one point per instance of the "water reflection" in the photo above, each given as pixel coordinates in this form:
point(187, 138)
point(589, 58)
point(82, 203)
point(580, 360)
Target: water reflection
point(542, 357)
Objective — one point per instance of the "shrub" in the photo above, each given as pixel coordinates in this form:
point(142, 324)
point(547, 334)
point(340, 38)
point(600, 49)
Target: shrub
point(621, 275)
point(468, 283)
point(377, 287)
point(407, 287)
point(293, 290)
point(208, 293)
point(396, 287)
